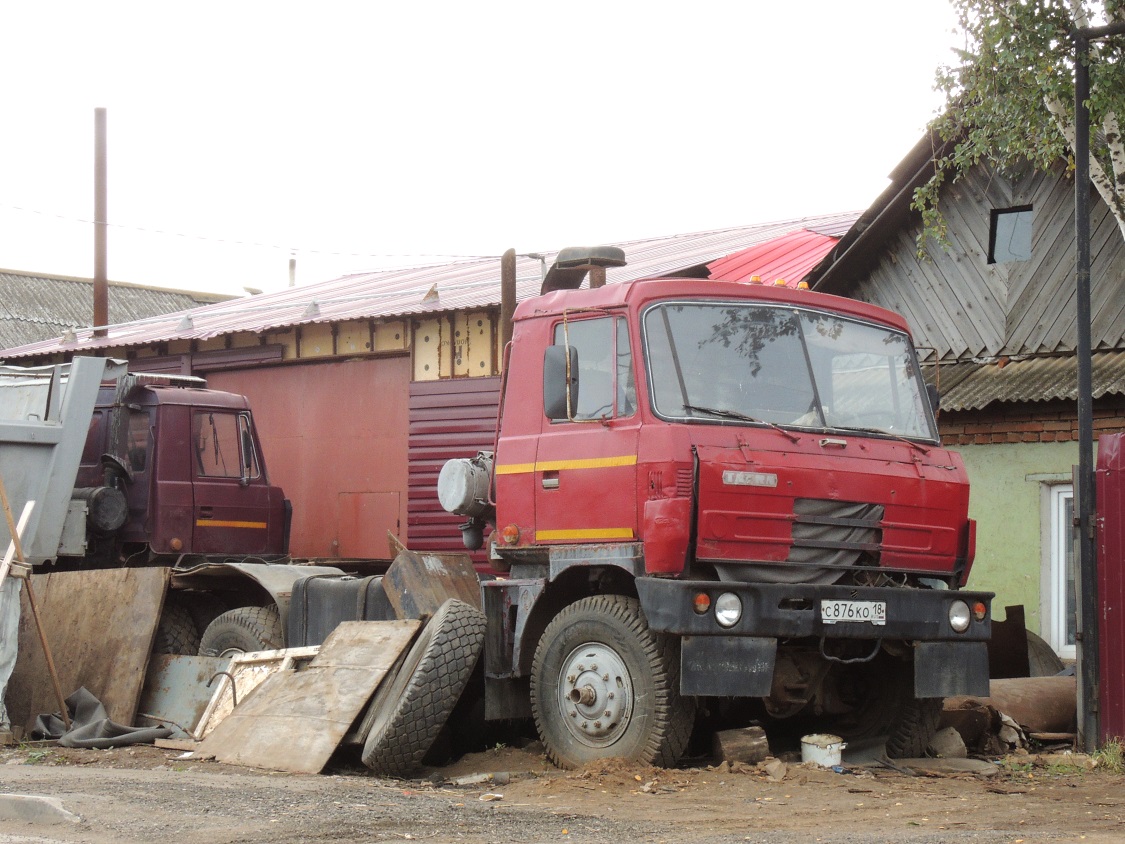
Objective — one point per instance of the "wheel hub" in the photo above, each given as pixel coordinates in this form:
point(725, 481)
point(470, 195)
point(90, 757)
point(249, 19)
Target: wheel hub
point(595, 694)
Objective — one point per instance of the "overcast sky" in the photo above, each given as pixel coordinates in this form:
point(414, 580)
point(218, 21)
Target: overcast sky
point(354, 133)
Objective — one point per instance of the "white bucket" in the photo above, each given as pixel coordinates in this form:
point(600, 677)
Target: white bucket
point(823, 749)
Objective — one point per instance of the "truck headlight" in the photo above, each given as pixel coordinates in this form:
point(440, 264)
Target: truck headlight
point(728, 609)
point(959, 616)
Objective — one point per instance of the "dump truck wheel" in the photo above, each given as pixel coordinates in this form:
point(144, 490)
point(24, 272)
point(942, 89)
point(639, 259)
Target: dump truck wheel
point(410, 708)
point(243, 630)
point(176, 632)
point(604, 685)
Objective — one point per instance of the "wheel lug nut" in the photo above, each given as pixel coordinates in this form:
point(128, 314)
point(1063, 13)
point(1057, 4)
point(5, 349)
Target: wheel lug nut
point(607, 713)
point(598, 724)
point(605, 677)
point(570, 678)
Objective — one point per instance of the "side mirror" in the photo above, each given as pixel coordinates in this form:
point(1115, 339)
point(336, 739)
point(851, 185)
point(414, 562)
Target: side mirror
point(556, 384)
point(934, 396)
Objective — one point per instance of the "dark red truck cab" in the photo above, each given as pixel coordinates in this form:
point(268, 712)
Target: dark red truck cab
point(190, 469)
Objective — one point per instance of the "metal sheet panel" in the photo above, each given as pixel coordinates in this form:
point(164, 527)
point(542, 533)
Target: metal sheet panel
point(334, 432)
point(448, 419)
point(1110, 520)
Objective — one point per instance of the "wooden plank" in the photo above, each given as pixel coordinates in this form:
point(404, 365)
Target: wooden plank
point(244, 673)
point(295, 719)
point(100, 626)
point(417, 584)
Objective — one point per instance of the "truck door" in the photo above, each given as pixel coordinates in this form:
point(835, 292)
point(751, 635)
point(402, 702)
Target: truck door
point(586, 466)
point(232, 501)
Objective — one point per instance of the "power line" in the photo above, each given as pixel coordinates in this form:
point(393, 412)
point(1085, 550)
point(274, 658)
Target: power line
point(235, 242)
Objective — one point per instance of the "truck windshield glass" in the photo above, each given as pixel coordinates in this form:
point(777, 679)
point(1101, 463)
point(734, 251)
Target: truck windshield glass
point(740, 363)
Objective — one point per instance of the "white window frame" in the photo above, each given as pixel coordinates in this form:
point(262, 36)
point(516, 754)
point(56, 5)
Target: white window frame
point(1058, 546)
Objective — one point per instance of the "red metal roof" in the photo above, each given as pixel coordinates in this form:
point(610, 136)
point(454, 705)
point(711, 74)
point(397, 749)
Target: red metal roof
point(790, 257)
point(464, 285)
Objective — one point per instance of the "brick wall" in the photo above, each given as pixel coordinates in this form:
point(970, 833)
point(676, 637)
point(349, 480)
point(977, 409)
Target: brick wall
point(1029, 422)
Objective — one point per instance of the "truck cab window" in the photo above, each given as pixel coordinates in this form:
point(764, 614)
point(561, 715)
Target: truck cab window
point(138, 445)
point(606, 385)
point(216, 442)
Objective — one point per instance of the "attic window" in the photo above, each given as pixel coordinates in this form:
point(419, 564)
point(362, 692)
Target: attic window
point(1009, 238)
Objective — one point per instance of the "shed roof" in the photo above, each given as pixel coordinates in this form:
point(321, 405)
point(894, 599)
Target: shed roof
point(462, 285)
point(971, 385)
point(36, 307)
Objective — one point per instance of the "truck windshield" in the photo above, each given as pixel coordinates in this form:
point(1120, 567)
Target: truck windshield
point(746, 363)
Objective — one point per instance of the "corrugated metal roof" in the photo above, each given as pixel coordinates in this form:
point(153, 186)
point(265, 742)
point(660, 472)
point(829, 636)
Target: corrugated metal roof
point(40, 307)
point(463, 285)
point(972, 385)
point(788, 258)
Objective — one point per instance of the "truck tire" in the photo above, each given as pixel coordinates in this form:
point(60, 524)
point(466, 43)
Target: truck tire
point(913, 728)
point(884, 705)
point(604, 685)
point(409, 708)
point(176, 632)
point(243, 630)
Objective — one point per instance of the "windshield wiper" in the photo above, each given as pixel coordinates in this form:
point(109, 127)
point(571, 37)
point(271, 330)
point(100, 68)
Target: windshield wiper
point(880, 432)
point(725, 413)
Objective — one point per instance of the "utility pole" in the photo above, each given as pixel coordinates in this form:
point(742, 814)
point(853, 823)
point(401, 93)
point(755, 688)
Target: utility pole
point(1089, 651)
point(101, 280)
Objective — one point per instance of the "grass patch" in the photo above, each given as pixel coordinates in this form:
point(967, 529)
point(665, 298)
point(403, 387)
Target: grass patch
point(1111, 756)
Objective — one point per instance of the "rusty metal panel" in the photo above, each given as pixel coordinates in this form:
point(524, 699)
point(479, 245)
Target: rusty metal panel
point(1110, 520)
point(332, 427)
point(448, 418)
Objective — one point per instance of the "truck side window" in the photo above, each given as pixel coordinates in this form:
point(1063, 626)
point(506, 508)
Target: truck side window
point(215, 440)
point(605, 367)
point(138, 440)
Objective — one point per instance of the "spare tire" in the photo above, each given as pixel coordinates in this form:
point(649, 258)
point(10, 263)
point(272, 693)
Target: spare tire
point(412, 705)
point(243, 630)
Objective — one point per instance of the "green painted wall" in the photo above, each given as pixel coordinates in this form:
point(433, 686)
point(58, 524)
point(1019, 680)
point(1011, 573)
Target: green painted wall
point(1006, 502)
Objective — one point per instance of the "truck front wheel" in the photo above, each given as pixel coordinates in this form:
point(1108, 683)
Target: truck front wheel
point(604, 685)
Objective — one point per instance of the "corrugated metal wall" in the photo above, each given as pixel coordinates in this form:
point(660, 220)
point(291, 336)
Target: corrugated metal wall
point(448, 418)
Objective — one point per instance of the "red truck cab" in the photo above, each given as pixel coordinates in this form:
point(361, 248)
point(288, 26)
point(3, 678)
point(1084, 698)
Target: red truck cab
point(188, 463)
point(707, 490)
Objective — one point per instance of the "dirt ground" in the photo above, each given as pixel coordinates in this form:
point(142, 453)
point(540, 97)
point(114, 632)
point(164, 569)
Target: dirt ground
point(150, 794)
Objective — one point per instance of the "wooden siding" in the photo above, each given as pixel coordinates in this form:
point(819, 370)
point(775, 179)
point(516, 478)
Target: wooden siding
point(962, 306)
point(448, 419)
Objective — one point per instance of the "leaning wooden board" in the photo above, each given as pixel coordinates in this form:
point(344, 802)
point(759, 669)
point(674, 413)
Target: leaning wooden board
point(295, 719)
point(100, 626)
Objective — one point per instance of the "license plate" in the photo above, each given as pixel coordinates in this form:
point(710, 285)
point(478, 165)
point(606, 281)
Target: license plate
point(864, 612)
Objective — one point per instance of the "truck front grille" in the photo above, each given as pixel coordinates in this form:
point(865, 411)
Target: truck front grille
point(835, 532)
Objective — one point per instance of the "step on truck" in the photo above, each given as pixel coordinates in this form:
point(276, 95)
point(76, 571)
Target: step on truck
point(710, 496)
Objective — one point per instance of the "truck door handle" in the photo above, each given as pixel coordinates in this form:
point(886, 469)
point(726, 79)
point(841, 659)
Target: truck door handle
point(206, 513)
point(550, 480)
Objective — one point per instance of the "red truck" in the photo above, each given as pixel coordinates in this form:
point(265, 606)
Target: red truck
point(709, 495)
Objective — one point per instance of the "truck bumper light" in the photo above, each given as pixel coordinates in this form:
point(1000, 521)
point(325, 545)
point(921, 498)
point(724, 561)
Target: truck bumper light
point(980, 610)
point(701, 603)
point(510, 535)
point(959, 616)
point(728, 609)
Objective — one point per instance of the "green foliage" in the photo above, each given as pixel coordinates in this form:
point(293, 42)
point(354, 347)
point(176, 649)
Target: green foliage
point(1010, 95)
point(1111, 756)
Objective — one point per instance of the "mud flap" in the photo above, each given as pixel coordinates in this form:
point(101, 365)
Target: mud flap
point(944, 669)
point(727, 666)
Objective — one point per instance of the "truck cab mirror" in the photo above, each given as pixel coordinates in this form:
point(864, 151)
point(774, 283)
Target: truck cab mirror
point(934, 396)
point(557, 384)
